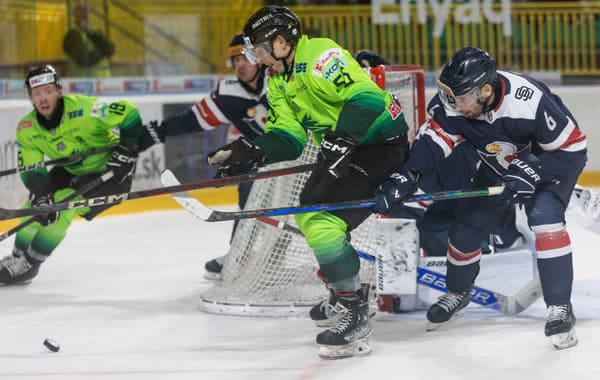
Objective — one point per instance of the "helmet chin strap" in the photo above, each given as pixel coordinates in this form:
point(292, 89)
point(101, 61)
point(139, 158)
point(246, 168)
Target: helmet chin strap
point(287, 68)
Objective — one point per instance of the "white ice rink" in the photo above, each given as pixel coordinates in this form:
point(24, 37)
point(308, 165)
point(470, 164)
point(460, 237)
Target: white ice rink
point(120, 296)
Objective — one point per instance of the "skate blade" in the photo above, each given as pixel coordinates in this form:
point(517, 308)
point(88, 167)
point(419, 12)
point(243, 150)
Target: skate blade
point(358, 348)
point(564, 340)
point(212, 276)
point(432, 326)
point(21, 283)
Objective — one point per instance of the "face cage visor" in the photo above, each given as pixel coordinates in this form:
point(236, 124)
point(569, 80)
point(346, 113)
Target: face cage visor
point(256, 52)
point(463, 101)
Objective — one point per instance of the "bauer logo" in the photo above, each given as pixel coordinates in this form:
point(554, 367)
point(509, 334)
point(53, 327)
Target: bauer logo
point(137, 86)
point(200, 84)
point(81, 87)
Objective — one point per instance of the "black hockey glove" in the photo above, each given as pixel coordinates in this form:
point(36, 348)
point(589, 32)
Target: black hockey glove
point(41, 200)
point(239, 157)
point(524, 175)
point(122, 163)
point(153, 133)
point(367, 58)
point(394, 190)
point(337, 155)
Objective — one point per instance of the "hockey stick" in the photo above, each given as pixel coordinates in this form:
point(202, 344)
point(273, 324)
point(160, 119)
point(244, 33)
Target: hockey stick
point(118, 198)
point(87, 187)
point(210, 215)
point(74, 157)
point(512, 304)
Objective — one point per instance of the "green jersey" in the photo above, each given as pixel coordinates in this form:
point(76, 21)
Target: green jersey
point(85, 124)
point(326, 91)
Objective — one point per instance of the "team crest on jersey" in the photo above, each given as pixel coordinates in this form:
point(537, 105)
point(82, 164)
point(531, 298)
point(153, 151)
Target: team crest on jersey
point(503, 151)
point(25, 124)
point(324, 59)
point(524, 93)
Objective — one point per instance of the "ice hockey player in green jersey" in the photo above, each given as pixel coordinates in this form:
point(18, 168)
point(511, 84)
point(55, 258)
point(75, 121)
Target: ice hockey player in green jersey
point(319, 88)
point(60, 126)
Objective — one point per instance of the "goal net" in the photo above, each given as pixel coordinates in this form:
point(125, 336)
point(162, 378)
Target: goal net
point(269, 269)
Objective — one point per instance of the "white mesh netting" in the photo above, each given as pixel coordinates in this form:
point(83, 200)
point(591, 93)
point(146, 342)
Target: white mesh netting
point(269, 269)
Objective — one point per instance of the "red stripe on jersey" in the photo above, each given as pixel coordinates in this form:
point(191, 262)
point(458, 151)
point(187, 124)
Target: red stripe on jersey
point(547, 241)
point(502, 93)
point(461, 256)
point(574, 138)
point(435, 127)
point(206, 114)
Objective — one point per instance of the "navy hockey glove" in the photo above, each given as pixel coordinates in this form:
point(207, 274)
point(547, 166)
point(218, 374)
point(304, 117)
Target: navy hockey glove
point(122, 163)
point(337, 155)
point(524, 175)
point(239, 157)
point(41, 200)
point(153, 133)
point(394, 190)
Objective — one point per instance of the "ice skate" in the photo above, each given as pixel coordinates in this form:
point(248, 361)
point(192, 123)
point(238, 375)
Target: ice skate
point(213, 268)
point(17, 270)
point(560, 326)
point(328, 312)
point(350, 336)
point(448, 307)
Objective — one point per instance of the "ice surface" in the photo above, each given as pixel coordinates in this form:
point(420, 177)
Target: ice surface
point(120, 296)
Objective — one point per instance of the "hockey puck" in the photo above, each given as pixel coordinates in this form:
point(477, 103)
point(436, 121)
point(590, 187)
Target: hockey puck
point(51, 345)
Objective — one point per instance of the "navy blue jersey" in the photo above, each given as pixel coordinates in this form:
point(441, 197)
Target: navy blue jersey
point(528, 117)
point(232, 104)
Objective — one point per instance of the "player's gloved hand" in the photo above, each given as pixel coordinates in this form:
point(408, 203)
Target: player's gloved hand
point(236, 158)
point(524, 175)
point(122, 163)
point(41, 200)
point(394, 190)
point(152, 133)
point(367, 58)
point(337, 155)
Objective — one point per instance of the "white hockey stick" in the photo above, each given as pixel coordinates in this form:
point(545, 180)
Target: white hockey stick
point(509, 304)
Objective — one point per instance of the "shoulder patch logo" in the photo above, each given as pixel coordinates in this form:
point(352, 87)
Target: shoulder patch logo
point(25, 124)
point(524, 93)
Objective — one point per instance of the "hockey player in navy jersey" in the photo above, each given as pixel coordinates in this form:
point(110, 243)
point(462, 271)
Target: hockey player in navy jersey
point(526, 139)
point(239, 102)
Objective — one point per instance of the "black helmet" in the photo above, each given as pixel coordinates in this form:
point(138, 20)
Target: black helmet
point(39, 76)
point(272, 21)
point(468, 68)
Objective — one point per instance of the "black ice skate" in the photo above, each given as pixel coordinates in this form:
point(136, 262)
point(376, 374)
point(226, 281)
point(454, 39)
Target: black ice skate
point(560, 326)
point(349, 337)
point(448, 307)
point(328, 312)
point(214, 268)
point(18, 270)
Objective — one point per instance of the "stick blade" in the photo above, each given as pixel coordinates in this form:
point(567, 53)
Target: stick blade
point(185, 199)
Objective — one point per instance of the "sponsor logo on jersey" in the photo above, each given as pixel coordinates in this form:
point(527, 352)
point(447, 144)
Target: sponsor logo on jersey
point(251, 112)
point(75, 114)
point(324, 59)
point(301, 67)
point(99, 110)
point(60, 146)
point(394, 109)
point(524, 93)
point(334, 68)
point(25, 124)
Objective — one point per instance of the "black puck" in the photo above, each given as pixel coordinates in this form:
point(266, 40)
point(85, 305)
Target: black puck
point(51, 345)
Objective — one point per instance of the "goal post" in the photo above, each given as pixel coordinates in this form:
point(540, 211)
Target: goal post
point(269, 269)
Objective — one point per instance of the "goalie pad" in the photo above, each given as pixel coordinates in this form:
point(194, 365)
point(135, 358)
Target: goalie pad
point(584, 208)
point(407, 282)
